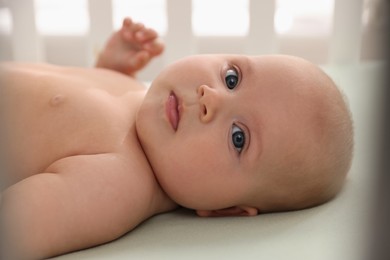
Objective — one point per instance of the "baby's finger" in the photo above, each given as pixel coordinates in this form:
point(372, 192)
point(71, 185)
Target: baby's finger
point(139, 60)
point(137, 27)
point(146, 35)
point(155, 47)
point(126, 30)
point(127, 23)
point(129, 29)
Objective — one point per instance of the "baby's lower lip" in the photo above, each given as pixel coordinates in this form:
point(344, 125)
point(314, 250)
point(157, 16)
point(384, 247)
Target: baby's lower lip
point(171, 109)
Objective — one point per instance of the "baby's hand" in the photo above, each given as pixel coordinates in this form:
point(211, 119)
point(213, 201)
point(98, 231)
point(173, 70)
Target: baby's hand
point(130, 49)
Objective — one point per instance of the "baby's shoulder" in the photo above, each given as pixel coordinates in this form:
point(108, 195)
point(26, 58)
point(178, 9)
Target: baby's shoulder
point(110, 79)
point(97, 77)
point(125, 172)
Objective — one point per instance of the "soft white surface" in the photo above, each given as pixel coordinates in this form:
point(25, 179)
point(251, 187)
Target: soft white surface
point(336, 230)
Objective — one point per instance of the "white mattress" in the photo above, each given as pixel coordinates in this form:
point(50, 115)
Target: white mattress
point(336, 230)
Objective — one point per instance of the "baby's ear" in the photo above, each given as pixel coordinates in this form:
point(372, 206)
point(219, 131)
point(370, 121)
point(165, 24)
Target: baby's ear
point(232, 211)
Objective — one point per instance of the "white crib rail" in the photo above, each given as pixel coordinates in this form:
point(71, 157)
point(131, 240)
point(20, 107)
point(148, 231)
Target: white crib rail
point(26, 42)
point(344, 47)
point(261, 37)
point(101, 24)
point(179, 28)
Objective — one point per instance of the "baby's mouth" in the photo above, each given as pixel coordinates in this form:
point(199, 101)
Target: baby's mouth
point(172, 110)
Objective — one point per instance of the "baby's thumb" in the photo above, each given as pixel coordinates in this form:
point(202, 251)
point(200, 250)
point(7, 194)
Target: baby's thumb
point(139, 60)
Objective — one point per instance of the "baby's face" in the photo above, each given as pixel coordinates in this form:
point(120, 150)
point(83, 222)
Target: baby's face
point(211, 125)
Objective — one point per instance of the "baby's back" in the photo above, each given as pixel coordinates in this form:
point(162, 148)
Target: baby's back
point(54, 112)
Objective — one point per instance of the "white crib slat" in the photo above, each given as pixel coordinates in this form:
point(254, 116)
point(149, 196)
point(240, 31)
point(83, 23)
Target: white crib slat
point(179, 39)
point(26, 43)
point(347, 32)
point(261, 38)
point(101, 27)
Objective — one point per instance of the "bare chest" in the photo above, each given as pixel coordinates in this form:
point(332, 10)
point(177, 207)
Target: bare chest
point(53, 115)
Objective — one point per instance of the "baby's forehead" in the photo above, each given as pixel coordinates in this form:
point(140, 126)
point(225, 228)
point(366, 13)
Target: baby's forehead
point(285, 63)
point(288, 71)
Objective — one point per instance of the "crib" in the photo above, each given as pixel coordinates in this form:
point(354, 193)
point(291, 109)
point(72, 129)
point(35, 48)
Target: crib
point(353, 35)
point(351, 50)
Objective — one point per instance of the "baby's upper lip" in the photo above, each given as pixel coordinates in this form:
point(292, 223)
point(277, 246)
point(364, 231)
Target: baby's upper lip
point(172, 110)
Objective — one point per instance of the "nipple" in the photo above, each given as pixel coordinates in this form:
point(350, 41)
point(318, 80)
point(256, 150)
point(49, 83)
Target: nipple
point(56, 100)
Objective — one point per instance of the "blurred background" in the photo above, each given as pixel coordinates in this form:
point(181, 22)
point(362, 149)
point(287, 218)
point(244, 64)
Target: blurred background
point(71, 32)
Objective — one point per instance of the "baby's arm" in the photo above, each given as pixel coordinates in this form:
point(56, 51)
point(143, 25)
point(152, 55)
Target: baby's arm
point(130, 49)
point(73, 207)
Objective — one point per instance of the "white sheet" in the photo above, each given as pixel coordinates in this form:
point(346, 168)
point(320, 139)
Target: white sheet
point(336, 230)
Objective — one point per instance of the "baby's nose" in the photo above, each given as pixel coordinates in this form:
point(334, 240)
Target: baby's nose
point(209, 102)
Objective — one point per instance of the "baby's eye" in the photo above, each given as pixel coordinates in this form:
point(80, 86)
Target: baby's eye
point(238, 138)
point(231, 78)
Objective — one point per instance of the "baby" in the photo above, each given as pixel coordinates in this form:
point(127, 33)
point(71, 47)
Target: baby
point(91, 153)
